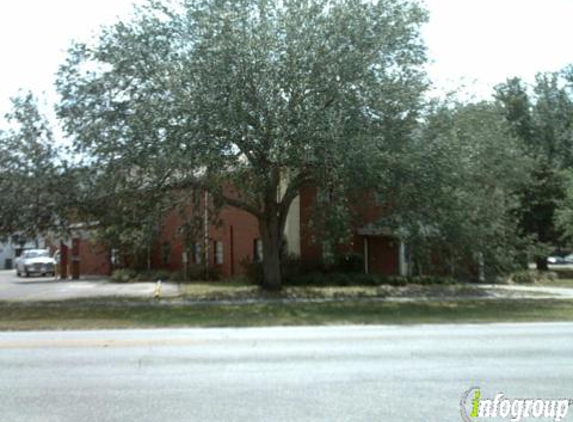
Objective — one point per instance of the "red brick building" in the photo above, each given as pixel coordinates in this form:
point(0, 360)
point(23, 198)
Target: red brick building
point(224, 246)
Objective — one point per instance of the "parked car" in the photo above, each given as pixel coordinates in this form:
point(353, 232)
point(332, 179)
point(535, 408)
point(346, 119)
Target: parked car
point(556, 260)
point(35, 261)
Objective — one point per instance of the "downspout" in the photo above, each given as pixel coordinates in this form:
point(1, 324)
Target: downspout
point(206, 231)
point(402, 263)
point(366, 263)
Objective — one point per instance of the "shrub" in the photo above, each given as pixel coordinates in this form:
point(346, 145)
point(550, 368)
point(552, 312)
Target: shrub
point(428, 280)
point(213, 274)
point(195, 272)
point(339, 279)
point(350, 263)
point(533, 276)
point(363, 279)
point(123, 276)
point(397, 280)
point(291, 267)
point(308, 279)
point(562, 273)
point(253, 271)
point(336, 279)
point(153, 275)
point(523, 277)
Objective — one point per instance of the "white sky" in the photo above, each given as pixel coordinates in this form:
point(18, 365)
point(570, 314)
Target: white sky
point(478, 43)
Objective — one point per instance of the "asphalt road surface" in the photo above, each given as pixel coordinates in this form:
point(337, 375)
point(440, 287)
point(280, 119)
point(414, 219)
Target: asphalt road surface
point(355, 373)
point(15, 288)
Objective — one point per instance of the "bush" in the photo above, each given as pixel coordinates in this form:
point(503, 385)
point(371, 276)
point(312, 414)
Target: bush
point(363, 279)
point(350, 263)
point(153, 275)
point(253, 271)
point(562, 273)
point(339, 279)
point(336, 279)
point(291, 267)
point(397, 280)
point(533, 276)
point(428, 280)
point(195, 272)
point(308, 279)
point(123, 276)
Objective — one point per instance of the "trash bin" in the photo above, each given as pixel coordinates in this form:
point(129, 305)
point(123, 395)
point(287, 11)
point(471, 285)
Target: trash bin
point(8, 263)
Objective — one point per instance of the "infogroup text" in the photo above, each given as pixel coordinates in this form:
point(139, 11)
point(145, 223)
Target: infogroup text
point(474, 407)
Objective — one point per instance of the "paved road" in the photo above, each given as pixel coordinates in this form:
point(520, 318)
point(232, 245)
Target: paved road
point(48, 288)
point(387, 373)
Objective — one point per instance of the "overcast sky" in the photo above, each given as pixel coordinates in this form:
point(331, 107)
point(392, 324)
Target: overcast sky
point(478, 43)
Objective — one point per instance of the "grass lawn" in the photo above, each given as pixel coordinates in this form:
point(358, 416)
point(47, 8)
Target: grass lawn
point(83, 314)
point(240, 290)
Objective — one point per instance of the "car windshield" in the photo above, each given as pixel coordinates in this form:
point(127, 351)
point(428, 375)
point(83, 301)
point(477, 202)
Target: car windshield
point(36, 254)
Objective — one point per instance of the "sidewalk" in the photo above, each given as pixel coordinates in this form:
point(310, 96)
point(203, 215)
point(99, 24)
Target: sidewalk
point(17, 289)
point(531, 292)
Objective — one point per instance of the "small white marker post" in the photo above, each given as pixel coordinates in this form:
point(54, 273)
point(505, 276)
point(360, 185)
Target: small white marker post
point(157, 291)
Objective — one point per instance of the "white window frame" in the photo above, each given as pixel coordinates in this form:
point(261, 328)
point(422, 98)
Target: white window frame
point(219, 252)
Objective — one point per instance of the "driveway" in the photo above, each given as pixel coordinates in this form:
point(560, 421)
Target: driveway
point(15, 288)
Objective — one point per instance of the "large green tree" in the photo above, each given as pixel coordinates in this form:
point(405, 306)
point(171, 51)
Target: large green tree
point(455, 190)
point(32, 181)
point(249, 99)
point(542, 118)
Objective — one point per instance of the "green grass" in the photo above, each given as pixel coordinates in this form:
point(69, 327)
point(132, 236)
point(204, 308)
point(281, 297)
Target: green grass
point(241, 290)
point(84, 314)
point(203, 290)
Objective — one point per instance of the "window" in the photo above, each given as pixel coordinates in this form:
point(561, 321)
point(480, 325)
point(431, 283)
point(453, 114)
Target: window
point(218, 252)
point(197, 253)
point(114, 256)
point(258, 250)
point(165, 253)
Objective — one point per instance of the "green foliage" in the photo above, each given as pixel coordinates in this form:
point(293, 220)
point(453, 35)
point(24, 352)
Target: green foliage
point(152, 275)
point(291, 266)
point(361, 279)
point(532, 276)
point(124, 276)
point(350, 263)
point(36, 186)
point(256, 96)
point(541, 117)
point(253, 271)
point(195, 273)
point(454, 192)
point(564, 213)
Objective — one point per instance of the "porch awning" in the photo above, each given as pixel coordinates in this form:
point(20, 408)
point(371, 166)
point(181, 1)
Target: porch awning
point(375, 230)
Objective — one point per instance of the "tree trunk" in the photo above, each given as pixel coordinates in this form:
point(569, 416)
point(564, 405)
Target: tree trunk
point(271, 236)
point(541, 264)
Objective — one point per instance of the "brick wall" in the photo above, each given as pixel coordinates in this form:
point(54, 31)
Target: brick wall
point(236, 230)
point(383, 250)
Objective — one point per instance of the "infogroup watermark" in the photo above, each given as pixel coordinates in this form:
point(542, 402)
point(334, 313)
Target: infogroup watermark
point(474, 407)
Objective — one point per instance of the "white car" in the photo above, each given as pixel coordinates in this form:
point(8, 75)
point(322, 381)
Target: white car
point(35, 261)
